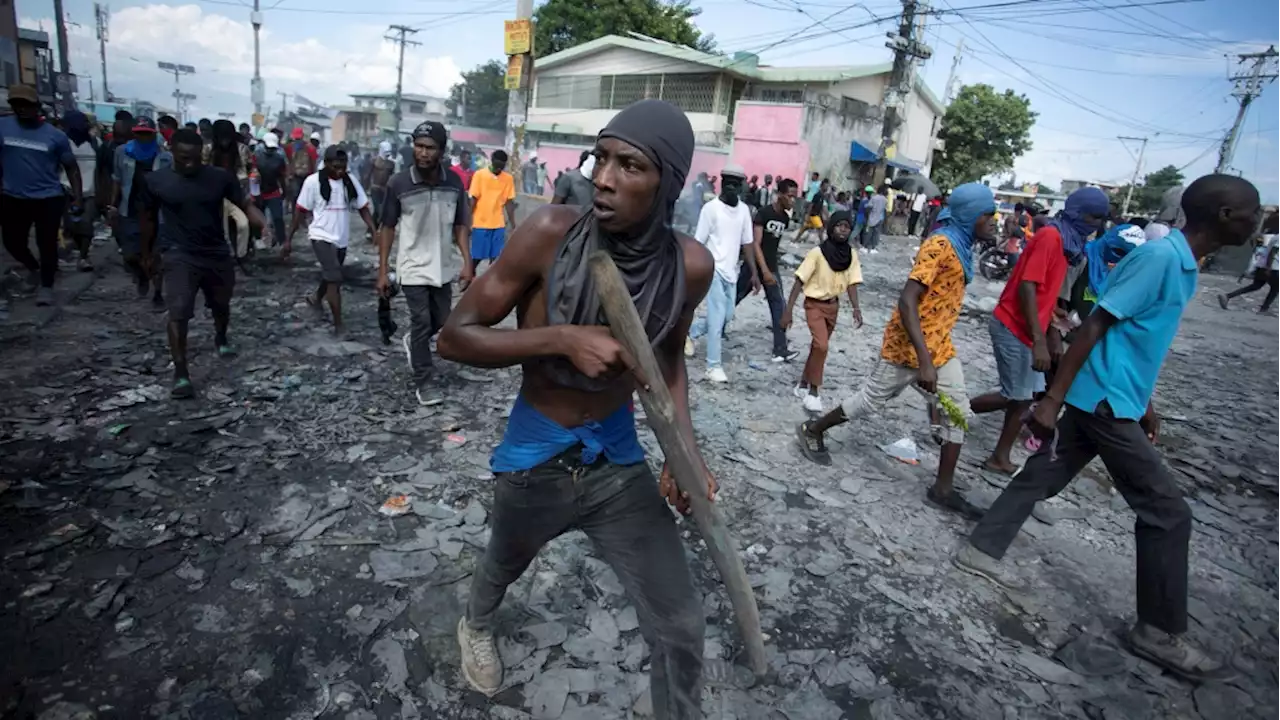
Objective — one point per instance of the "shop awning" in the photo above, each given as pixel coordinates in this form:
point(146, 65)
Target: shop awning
point(862, 154)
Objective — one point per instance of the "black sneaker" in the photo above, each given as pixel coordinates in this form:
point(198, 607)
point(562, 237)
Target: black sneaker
point(813, 446)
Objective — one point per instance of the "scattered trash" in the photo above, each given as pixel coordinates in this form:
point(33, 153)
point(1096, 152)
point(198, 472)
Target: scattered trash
point(454, 440)
point(115, 430)
point(904, 450)
point(39, 588)
point(396, 505)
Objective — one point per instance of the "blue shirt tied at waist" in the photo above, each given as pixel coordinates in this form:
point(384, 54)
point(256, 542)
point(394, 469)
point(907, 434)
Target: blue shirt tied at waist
point(533, 438)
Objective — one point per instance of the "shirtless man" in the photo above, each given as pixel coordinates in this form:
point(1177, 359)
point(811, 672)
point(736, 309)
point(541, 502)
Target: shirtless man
point(570, 457)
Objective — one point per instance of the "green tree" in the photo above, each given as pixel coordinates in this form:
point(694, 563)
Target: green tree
point(1147, 195)
point(486, 99)
point(984, 132)
point(561, 24)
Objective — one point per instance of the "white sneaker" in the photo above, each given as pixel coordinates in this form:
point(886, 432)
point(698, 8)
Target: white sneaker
point(481, 665)
point(688, 347)
point(874, 251)
point(812, 403)
point(799, 391)
point(716, 375)
point(791, 355)
point(428, 397)
point(862, 250)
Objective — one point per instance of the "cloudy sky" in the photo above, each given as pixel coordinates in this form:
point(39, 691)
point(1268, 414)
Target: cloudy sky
point(1094, 69)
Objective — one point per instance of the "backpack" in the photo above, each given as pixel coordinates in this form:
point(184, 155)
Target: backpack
point(301, 163)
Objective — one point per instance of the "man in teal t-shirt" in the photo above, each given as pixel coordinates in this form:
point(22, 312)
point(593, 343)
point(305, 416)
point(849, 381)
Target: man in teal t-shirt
point(1105, 382)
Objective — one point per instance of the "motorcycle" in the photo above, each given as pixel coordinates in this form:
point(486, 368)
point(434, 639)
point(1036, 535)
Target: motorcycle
point(994, 263)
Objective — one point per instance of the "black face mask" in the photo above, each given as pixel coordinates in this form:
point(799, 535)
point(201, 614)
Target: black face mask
point(730, 190)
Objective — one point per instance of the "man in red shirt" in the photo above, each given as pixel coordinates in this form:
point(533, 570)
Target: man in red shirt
point(463, 169)
point(1021, 338)
point(302, 158)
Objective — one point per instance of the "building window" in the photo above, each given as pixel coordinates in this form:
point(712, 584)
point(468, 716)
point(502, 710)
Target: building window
point(417, 108)
point(689, 92)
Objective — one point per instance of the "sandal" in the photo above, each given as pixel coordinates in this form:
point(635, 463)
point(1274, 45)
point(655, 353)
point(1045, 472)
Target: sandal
point(955, 502)
point(182, 388)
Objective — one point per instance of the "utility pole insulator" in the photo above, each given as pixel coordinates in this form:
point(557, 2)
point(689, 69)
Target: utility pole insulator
point(1248, 86)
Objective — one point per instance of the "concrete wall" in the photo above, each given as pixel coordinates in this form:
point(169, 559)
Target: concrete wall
point(869, 90)
point(913, 136)
point(767, 140)
point(829, 135)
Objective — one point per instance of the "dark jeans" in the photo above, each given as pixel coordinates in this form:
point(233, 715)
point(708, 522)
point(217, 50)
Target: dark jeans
point(1163, 525)
point(17, 215)
point(773, 295)
point(275, 208)
point(620, 510)
point(871, 236)
point(912, 221)
point(428, 309)
point(1261, 276)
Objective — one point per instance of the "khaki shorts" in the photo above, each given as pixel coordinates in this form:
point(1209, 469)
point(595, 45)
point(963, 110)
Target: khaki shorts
point(887, 381)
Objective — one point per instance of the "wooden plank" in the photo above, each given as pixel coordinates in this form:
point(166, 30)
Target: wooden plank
point(625, 325)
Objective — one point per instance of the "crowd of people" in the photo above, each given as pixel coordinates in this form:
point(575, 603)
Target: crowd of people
point(177, 198)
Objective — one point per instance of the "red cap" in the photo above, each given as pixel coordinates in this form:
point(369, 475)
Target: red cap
point(296, 134)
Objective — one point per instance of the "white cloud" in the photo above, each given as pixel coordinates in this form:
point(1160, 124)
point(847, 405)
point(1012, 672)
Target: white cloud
point(354, 59)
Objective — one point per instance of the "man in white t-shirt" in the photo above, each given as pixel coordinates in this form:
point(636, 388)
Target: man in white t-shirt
point(724, 227)
point(78, 221)
point(328, 197)
point(917, 209)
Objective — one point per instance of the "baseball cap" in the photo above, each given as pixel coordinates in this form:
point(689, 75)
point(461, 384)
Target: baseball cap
point(297, 133)
point(144, 125)
point(315, 136)
point(333, 151)
point(271, 140)
point(23, 92)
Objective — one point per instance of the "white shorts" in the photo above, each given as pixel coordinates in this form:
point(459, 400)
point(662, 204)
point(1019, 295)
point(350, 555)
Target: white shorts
point(887, 380)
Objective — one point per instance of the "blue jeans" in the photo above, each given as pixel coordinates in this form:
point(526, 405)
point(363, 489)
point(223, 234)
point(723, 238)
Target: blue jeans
point(720, 304)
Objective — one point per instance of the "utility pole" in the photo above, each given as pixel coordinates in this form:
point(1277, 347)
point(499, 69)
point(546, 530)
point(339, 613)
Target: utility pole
point(948, 94)
point(284, 106)
point(257, 91)
point(1137, 170)
point(518, 99)
point(907, 48)
point(102, 15)
point(178, 71)
point(399, 38)
point(64, 69)
point(1249, 85)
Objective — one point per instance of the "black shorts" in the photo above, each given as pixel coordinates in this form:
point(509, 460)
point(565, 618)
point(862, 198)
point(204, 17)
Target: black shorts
point(330, 257)
point(184, 276)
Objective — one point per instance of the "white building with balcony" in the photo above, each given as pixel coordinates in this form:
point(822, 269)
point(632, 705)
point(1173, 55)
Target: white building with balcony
point(779, 120)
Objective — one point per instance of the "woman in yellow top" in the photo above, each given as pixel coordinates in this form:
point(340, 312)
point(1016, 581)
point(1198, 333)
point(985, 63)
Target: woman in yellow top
point(828, 270)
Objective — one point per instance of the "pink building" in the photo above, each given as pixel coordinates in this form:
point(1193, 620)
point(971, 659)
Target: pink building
point(783, 121)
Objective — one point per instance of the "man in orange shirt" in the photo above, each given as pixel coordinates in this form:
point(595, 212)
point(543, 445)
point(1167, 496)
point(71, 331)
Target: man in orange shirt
point(493, 208)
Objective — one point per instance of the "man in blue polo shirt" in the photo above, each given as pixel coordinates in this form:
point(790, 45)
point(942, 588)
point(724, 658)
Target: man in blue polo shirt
point(1106, 380)
point(33, 155)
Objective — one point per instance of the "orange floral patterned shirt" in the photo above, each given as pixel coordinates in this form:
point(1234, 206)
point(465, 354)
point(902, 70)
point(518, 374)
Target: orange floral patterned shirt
point(938, 268)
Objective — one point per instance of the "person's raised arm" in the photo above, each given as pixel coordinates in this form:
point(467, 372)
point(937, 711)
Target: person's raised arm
point(469, 337)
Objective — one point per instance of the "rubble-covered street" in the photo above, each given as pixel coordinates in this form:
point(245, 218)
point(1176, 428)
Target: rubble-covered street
point(226, 557)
